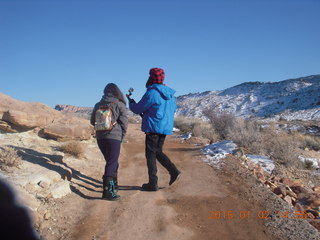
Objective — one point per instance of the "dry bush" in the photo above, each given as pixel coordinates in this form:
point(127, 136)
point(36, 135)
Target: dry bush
point(278, 145)
point(308, 164)
point(204, 130)
point(308, 141)
point(184, 124)
point(245, 133)
point(9, 158)
point(73, 148)
point(281, 146)
point(197, 127)
point(221, 122)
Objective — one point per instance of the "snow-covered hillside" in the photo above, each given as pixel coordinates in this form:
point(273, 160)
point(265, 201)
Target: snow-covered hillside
point(293, 99)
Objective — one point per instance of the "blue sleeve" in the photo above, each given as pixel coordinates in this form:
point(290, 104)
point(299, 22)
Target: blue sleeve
point(174, 104)
point(144, 104)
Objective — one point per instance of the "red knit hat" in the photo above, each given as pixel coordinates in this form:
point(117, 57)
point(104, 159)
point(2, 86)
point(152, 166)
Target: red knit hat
point(156, 76)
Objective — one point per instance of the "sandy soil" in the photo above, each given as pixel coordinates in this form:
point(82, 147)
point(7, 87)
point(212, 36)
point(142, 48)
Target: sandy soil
point(189, 209)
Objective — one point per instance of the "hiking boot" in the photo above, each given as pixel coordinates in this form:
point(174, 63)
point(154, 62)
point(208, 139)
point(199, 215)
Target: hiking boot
point(108, 190)
point(116, 187)
point(174, 177)
point(150, 187)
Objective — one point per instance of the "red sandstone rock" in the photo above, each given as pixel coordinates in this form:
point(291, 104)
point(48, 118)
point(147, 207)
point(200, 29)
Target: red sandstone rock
point(69, 128)
point(26, 115)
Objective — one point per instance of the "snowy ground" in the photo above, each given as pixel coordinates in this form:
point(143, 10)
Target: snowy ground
point(216, 152)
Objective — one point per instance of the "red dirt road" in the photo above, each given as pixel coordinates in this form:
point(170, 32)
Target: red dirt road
point(182, 211)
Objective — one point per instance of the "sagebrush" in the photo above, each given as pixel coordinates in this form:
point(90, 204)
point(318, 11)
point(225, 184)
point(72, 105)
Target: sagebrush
point(73, 148)
point(197, 127)
point(9, 158)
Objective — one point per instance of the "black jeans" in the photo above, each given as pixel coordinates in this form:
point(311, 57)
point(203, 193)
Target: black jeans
point(110, 148)
point(154, 143)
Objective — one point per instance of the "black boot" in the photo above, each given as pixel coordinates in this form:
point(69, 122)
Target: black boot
point(174, 177)
point(150, 187)
point(108, 190)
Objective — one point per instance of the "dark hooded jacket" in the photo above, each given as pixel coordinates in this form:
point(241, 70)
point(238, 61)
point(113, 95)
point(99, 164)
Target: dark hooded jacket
point(119, 112)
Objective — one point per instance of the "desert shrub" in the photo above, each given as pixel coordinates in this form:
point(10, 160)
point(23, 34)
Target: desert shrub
point(308, 141)
point(204, 130)
point(281, 147)
point(9, 158)
point(184, 124)
point(73, 148)
point(245, 133)
point(197, 127)
point(308, 164)
point(221, 122)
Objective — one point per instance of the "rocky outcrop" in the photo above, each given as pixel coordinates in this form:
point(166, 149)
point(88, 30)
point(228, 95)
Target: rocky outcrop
point(305, 201)
point(23, 116)
point(17, 116)
point(68, 128)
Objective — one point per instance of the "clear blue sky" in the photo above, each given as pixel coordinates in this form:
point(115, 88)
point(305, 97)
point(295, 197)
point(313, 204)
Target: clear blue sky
point(66, 51)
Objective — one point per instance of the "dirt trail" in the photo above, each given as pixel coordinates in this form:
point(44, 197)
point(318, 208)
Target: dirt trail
point(181, 211)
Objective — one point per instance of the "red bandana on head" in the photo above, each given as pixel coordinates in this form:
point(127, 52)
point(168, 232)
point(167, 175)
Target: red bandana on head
point(156, 76)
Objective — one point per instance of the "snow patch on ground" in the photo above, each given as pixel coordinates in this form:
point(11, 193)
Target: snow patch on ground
point(264, 162)
point(214, 153)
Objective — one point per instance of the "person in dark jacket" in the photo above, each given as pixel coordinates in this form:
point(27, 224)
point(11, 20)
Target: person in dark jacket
point(15, 222)
point(157, 107)
point(109, 141)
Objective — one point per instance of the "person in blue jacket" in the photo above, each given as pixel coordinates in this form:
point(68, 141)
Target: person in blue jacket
point(157, 107)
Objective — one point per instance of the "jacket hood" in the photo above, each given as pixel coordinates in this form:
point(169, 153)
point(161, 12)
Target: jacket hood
point(165, 92)
point(108, 99)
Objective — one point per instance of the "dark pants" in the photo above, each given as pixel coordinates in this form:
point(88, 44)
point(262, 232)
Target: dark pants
point(154, 143)
point(110, 148)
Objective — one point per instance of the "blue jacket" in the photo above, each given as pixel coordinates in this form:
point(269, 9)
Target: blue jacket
point(158, 106)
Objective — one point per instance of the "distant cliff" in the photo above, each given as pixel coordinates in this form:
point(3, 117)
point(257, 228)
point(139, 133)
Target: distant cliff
point(82, 112)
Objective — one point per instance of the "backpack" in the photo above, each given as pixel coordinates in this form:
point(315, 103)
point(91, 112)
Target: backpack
point(104, 117)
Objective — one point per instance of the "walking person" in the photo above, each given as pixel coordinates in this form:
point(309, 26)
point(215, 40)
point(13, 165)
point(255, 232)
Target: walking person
point(157, 107)
point(109, 141)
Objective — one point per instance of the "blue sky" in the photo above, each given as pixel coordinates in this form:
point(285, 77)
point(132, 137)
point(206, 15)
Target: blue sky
point(66, 51)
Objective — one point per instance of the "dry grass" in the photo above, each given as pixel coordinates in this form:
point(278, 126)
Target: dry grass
point(281, 146)
point(308, 141)
point(197, 127)
point(9, 158)
point(73, 148)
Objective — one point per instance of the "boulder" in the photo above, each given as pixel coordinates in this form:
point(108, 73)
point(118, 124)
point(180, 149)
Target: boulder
point(23, 115)
point(17, 115)
point(69, 128)
point(60, 189)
